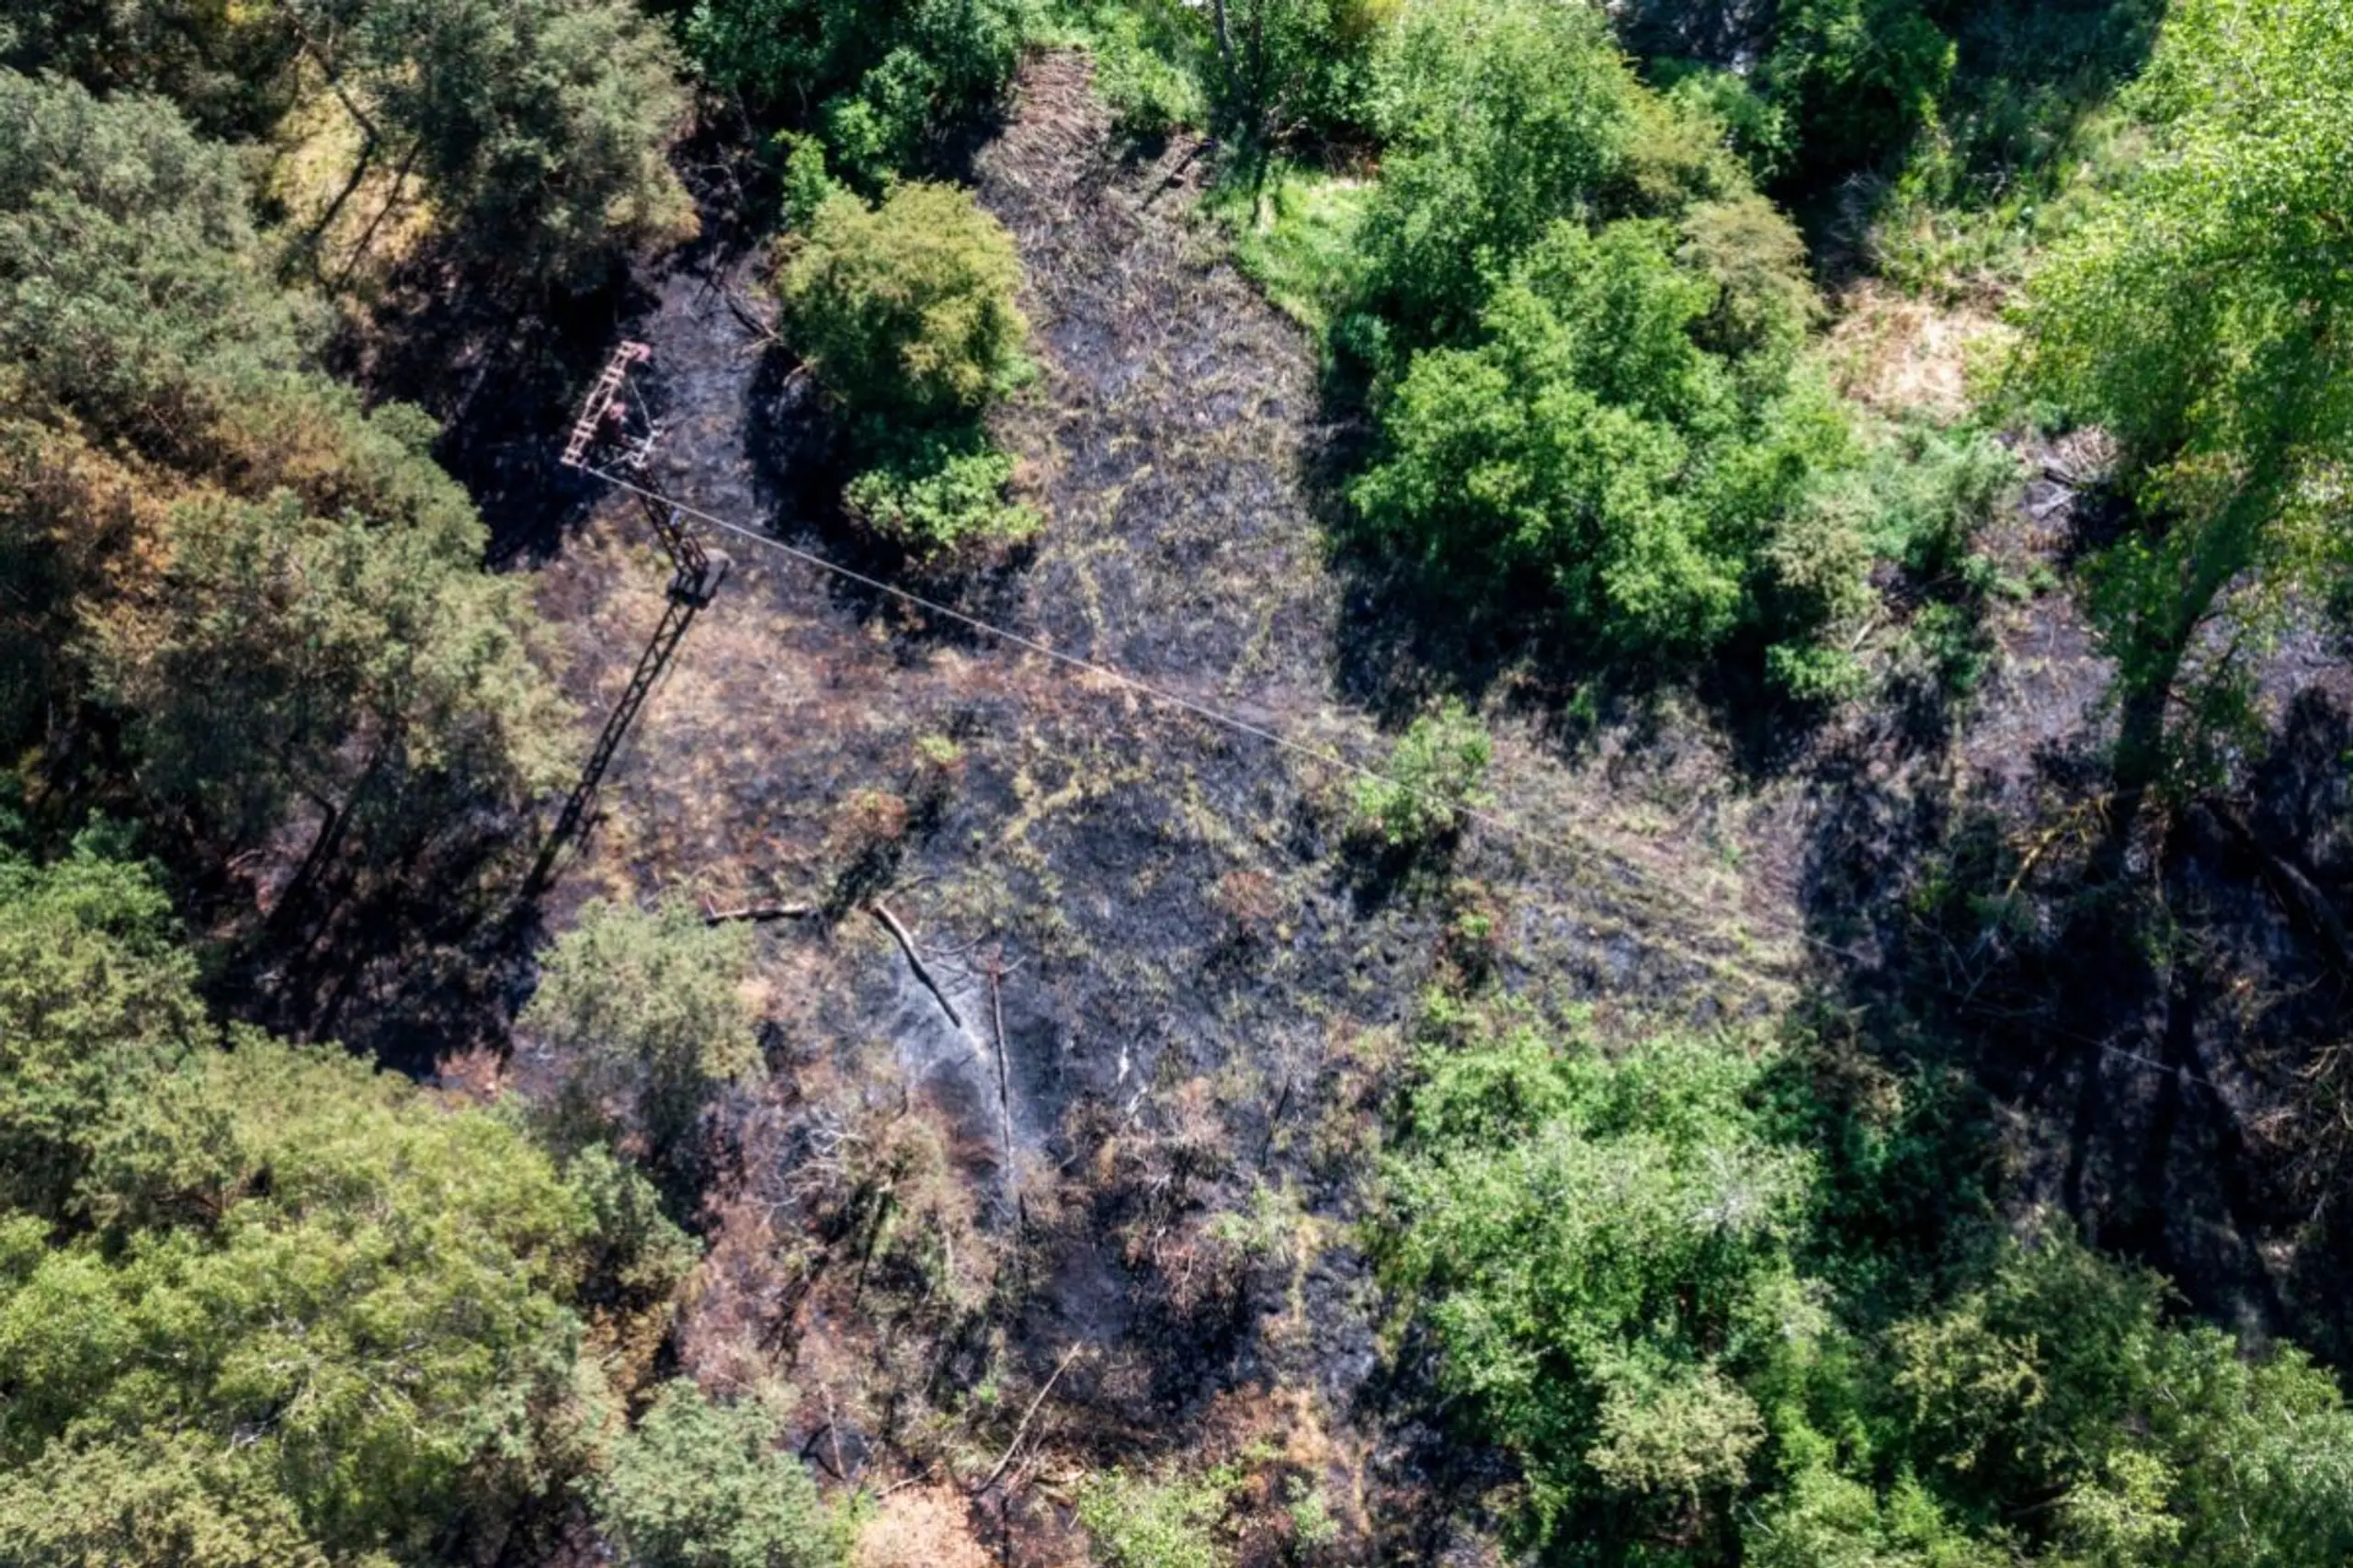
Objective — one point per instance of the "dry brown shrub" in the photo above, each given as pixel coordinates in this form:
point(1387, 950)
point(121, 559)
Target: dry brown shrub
point(1249, 899)
point(1897, 354)
point(923, 1526)
point(867, 820)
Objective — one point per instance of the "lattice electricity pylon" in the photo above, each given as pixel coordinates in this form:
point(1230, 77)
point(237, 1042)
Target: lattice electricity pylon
point(597, 423)
point(691, 576)
point(694, 576)
point(677, 614)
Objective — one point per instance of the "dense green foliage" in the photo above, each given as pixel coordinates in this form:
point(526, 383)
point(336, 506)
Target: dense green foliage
point(906, 311)
point(1627, 1265)
point(277, 593)
point(703, 1485)
point(1606, 1253)
point(546, 122)
point(1586, 332)
point(259, 1305)
point(98, 1006)
point(874, 79)
point(2205, 319)
point(539, 127)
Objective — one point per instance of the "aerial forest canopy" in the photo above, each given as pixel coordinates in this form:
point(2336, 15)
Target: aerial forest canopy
point(1657, 872)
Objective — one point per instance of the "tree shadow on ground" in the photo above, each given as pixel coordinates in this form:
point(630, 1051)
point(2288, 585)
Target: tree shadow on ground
point(2160, 1027)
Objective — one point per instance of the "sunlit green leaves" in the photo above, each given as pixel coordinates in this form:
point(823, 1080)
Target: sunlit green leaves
point(2202, 318)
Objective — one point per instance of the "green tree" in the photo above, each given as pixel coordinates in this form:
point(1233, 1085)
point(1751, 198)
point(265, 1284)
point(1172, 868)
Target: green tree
point(279, 591)
point(138, 1503)
point(1588, 453)
point(703, 1485)
point(540, 128)
point(1500, 116)
point(1857, 77)
point(285, 657)
point(130, 295)
point(2202, 318)
point(370, 1335)
point(1294, 69)
point(647, 1009)
point(875, 78)
point(546, 123)
point(227, 67)
point(262, 1304)
point(1605, 1252)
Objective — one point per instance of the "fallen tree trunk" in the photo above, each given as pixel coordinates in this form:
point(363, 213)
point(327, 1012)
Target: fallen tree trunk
point(756, 912)
point(914, 961)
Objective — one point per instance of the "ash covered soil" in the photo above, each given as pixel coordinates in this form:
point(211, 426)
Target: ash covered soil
point(1116, 1140)
point(1201, 979)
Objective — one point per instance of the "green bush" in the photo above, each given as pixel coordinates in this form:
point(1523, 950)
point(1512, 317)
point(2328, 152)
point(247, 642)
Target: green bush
point(1589, 453)
point(704, 1485)
point(940, 491)
point(1433, 776)
point(905, 310)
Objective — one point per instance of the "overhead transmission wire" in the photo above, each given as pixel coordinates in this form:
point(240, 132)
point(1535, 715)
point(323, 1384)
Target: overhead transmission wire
point(1281, 742)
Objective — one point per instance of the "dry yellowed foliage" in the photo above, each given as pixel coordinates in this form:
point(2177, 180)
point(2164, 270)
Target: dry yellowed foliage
point(923, 1526)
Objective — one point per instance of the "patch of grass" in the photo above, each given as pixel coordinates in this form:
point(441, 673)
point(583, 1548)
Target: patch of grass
point(1151, 58)
point(1294, 234)
point(1937, 234)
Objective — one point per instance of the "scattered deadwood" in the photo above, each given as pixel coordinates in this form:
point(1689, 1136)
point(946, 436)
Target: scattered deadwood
point(914, 961)
point(1028, 1415)
point(753, 320)
point(757, 913)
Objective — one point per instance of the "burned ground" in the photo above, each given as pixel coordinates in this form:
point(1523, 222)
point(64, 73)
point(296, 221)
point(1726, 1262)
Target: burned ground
point(1200, 975)
point(1119, 1150)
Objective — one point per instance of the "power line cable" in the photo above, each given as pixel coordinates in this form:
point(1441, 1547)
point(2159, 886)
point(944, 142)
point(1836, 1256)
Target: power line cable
point(1157, 693)
point(1234, 722)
